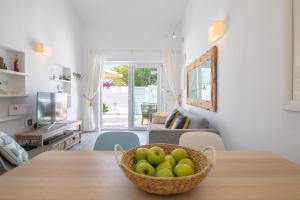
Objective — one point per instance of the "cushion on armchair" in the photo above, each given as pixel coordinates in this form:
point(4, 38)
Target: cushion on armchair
point(11, 150)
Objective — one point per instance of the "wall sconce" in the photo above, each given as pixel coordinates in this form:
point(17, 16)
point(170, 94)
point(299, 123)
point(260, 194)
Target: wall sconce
point(217, 30)
point(43, 49)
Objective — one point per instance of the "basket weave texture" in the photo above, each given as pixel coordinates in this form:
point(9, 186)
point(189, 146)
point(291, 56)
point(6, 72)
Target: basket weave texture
point(166, 186)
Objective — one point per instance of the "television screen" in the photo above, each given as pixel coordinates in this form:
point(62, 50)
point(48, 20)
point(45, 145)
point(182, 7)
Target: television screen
point(51, 108)
point(44, 108)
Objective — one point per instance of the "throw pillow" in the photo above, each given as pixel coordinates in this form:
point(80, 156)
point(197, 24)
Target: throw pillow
point(180, 122)
point(171, 119)
point(159, 118)
point(186, 124)
point(11, 150)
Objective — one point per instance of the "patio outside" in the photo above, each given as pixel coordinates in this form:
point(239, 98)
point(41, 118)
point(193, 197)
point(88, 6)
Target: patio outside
point(115, 96)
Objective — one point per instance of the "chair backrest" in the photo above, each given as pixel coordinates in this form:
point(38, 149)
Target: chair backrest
point(106, 141)
point(148, 108)
point(199, 140)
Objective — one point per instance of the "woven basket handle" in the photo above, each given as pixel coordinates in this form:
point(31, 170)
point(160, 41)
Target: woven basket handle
point(116, 149)
point(214, 153)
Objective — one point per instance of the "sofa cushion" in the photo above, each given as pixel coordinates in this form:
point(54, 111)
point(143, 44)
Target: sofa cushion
point(159, 117)
point(180, 122)
point(11, 150)
point(197, 122)
point(171, 119)
point(156, 127)
point(186, 124)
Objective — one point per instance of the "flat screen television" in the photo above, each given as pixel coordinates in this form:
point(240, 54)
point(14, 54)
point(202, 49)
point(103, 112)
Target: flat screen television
point(51, 108)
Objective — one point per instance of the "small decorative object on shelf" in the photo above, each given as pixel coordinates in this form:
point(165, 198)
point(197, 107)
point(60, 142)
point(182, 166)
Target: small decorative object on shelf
point(4, 66)
point(16, 64)
point(77, 76)
point(66, 78)
point(1, 62)
point(60, 88)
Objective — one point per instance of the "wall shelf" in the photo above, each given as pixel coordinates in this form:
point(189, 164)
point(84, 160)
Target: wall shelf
point(11, 118)
point(59, 84)
point(12, 84)
point(9, 72)
point(61, 80)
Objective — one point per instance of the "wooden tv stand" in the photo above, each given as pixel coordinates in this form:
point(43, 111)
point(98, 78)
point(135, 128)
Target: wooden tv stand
point(38, 137)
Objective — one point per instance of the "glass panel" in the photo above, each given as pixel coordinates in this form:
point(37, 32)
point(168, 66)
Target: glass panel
point(200, 82)
point(145, 98)
point(115, 97)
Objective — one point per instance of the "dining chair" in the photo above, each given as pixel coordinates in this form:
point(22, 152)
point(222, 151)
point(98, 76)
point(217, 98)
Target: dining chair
point(199, 140)
point(106, 141)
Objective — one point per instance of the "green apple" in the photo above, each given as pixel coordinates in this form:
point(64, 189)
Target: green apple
point(183, 170)
point(179, 153)
point(145, 169)
point(165, 172)
point(141, 154)
point(139, 162)
point(164, 164)
point(155, 155)
point(187, 161)
point(171, 160)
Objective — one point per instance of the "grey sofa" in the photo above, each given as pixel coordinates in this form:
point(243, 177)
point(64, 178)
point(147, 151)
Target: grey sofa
point(159, 134)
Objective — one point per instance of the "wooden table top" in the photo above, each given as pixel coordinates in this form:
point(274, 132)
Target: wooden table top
point(95, 175)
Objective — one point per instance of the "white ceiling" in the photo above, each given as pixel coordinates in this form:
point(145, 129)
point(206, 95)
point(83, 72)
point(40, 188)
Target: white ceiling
point(130, 12)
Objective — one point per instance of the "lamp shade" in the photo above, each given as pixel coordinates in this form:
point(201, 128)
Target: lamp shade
point(42, 49)
point(217, 30)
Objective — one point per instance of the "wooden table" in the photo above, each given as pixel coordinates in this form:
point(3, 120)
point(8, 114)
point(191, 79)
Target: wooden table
point(95, 176)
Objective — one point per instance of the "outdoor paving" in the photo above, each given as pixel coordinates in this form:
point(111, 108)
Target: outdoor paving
point(118, 122)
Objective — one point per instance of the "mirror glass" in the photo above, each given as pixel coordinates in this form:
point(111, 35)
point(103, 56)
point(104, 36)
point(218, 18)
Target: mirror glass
point(200, 82)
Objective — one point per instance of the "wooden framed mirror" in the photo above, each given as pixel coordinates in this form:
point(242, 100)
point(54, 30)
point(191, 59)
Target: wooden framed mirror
point(201, 81)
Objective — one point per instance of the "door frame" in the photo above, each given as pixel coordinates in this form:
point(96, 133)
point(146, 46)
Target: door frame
point(132, 65)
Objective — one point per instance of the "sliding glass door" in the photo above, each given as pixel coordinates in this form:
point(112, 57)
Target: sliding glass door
point(145, 93)
point(130, 94)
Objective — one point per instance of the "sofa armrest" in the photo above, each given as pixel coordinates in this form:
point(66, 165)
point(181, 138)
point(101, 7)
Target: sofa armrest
point(172, 136)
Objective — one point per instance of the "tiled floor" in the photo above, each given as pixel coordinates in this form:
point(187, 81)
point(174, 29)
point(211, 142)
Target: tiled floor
point(88, 140)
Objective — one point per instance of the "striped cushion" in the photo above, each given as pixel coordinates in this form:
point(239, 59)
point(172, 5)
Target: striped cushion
point(11, 150)
point(171, 119)
point(181, 122)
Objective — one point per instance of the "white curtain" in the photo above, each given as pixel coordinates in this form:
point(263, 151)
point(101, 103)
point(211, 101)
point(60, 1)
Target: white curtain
point(172, 62)
point(94, 75)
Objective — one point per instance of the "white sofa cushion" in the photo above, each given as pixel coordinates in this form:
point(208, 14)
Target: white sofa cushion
point(11, 150)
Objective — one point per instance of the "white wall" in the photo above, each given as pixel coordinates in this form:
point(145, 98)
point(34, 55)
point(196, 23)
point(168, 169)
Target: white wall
point(53, 22)
point(254, 56)
point(131, 43)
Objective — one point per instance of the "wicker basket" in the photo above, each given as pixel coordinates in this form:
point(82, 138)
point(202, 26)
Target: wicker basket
point(166, 186)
